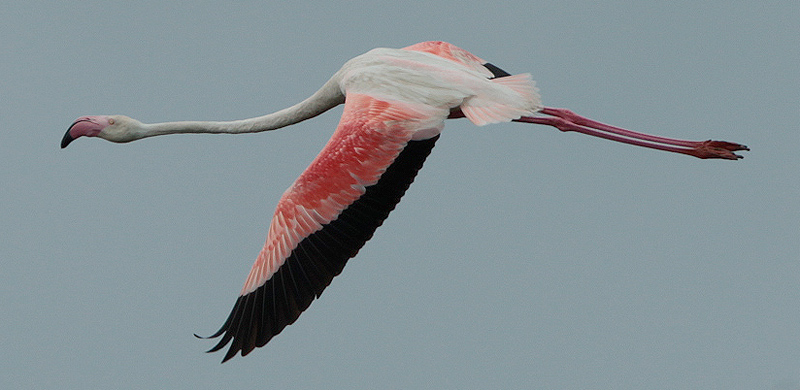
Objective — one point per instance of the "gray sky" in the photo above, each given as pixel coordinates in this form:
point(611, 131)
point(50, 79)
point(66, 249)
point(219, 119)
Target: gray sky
point(520, 258)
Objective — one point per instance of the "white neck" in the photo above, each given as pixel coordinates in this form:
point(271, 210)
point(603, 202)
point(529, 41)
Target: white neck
point(327, 97)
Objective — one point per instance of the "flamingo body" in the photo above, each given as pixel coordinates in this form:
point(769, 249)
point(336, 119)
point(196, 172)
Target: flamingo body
point(395, 105)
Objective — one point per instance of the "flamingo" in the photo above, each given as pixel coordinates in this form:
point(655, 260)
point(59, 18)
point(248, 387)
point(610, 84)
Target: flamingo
point(395, 105)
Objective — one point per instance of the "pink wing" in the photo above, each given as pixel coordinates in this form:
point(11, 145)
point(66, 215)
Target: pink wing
point(328, 214)
point(453, 53)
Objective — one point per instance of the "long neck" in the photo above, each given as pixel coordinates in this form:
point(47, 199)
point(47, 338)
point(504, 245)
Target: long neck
point(323, 100)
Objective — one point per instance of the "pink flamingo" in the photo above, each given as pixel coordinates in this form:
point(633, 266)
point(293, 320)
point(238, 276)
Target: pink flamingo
point(395, 104)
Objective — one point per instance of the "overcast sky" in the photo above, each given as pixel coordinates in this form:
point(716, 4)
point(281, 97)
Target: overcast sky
point(521, 257)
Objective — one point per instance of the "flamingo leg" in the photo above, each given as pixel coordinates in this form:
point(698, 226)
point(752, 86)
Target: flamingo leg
point(566, 120)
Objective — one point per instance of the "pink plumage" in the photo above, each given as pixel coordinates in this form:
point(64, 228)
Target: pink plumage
point(368, 139)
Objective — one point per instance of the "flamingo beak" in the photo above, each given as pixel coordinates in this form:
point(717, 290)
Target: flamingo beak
point(67, 138)
point(89, 126)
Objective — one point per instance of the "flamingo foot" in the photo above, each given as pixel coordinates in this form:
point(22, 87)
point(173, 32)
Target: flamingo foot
point(717, 149)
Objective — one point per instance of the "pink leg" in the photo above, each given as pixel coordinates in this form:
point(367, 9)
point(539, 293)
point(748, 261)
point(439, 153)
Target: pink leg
point(566, 120)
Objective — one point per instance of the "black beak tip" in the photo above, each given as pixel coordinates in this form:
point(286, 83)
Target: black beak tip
point(66, 140)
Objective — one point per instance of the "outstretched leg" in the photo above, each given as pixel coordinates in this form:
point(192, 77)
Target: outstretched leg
point(566, 120)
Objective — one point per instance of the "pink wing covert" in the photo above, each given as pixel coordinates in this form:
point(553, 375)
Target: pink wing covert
point(369, 137)
point(452, 53)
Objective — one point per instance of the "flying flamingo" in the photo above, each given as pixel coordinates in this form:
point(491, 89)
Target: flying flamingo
point(395, 104)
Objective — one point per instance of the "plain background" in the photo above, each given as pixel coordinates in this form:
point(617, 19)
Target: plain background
point(520, 258)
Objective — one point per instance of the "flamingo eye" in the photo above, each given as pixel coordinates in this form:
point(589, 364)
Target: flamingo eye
point(111, 121)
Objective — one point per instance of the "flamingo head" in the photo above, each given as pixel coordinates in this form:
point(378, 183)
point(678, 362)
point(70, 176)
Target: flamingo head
point(115, 128)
